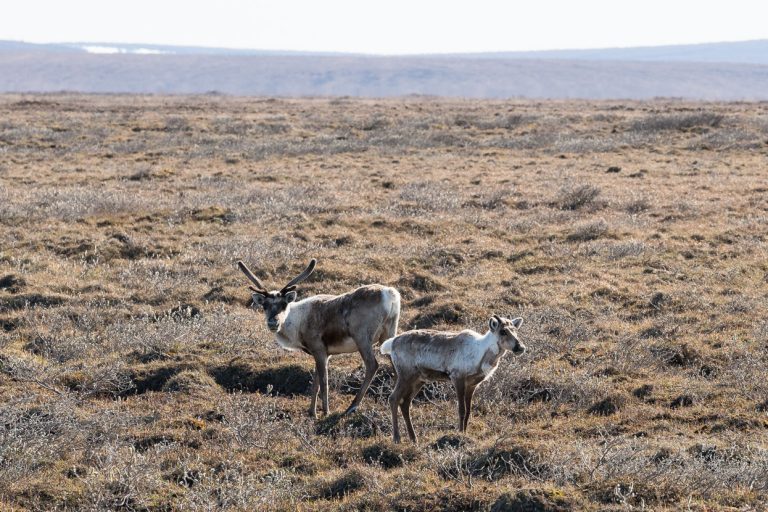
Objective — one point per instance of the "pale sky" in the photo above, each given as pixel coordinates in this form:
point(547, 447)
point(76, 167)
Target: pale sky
point(386, 27)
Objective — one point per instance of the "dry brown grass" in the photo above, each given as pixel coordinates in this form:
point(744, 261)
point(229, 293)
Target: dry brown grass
point(133, 376)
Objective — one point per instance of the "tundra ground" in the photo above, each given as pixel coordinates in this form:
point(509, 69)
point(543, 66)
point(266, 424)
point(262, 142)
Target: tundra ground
point(631, 237)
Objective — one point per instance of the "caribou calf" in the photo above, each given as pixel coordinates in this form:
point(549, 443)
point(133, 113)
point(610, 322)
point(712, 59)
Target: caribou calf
point(326, 325)
point(466, 359)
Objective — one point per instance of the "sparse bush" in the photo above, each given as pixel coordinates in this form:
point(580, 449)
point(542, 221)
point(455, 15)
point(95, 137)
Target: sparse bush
point(577, 197)
point(661, 122)
point(588, 231)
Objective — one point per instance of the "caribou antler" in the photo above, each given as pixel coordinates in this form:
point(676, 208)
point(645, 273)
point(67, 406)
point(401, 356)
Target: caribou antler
point(260, 288)
point(299, 278)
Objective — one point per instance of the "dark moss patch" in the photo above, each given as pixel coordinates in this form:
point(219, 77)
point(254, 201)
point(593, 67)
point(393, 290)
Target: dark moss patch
point(684, 356)
point(31, 300)
point(643, 391)
point(451, 441)
point(288, 380)
point(607, 406)
point(144, 443)
point(8, 325)
point(682, 401)
point(12, 283)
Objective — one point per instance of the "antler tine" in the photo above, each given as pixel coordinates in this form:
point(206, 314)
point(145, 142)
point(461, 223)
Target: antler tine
point(305, 274)
point(253, 278)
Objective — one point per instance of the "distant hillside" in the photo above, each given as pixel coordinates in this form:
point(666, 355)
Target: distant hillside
point(48, 68)
point(743, 52)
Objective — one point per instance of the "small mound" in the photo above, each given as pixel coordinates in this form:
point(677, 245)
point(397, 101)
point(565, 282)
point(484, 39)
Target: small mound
point(498, 461)
point(451, 313)
point(534, 500)
point(300, 465)
point(358, 425)
point(347, 483)
point(388, 455)
point(190, 381)
point(421, 283)
point(153, 377)
point(288, 380)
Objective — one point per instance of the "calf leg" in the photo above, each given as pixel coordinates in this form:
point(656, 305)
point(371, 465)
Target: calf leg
point(460, 391)
point(405, 408)
point(394, 401)
point(469, 391)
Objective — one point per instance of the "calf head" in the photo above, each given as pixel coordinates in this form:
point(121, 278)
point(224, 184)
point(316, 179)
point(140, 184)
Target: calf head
point(506, 330)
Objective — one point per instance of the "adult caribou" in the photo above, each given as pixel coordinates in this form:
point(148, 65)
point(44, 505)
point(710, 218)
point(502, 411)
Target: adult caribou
point(326, 325)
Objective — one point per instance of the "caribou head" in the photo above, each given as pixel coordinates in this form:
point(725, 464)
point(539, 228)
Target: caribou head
point(506, 330)
point(275, 303)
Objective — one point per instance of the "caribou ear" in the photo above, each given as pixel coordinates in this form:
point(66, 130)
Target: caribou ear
point(517, 322)
point(258, 299)
point(494, 323)
point(290, 296)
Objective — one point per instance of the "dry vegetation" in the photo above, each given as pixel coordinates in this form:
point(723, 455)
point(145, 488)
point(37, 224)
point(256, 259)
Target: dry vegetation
point(630, 236)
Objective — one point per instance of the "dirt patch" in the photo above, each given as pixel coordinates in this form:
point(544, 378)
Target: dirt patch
point(288, 380)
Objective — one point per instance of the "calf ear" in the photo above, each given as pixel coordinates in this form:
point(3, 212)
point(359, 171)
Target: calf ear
point(258, 299)
point(494, 323)
point(290, 296)
point(517, 322)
